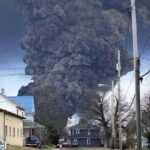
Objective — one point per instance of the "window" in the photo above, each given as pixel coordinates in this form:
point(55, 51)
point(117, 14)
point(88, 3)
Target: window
point(13, 132)
point(77, 131)
point(73, 131)
point(89, 133)
point(68, 141)
point(88, 141)
point(17, 132)
point(20, 132)
point(75, 141)
point(6, 132)
point(9, 131)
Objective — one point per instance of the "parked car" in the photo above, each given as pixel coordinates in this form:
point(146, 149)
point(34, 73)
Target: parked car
point(75, 144)
point(59, 146)
point(2, 145)
point(33, 141)
point(65, 144)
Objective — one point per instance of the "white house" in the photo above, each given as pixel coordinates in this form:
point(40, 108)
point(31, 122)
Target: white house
point(10, 106)
point(11, 121)
point(27, 102)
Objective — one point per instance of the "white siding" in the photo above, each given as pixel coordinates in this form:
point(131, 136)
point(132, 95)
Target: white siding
point(30, 116)
point(9, 106)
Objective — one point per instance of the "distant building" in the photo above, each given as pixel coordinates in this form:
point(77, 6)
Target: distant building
point(27, 102)
point(11, 121)
point(30, 126)
point(84, 135)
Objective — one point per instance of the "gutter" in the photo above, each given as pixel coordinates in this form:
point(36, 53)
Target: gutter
point(10, 113)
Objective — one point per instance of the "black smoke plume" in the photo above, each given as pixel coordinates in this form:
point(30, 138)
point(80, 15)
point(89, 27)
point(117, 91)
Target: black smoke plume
point(71, 46)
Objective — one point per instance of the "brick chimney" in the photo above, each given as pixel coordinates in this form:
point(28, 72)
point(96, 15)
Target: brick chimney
point(2, 91)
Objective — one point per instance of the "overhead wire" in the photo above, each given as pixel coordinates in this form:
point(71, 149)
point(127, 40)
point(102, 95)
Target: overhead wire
point(126, 46)
point(127, 34)
point(13, 74)
point(128, 87)
point(131, 103)
point(12, 68)
point(144, 46)
point(145, 74)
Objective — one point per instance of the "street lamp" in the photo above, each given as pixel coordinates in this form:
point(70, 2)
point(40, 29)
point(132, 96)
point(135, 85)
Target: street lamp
point(112, 111)
point(101, 85)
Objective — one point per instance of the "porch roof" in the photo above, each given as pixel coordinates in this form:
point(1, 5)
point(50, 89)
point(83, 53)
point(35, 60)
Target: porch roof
point(30, 124)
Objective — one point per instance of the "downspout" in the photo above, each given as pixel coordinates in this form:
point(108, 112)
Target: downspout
point(4, 136)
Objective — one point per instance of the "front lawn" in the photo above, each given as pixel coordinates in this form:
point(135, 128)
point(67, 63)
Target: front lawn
point(89, 148)
point(9, 147)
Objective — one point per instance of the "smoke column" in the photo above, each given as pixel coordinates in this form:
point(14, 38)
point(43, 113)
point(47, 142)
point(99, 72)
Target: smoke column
point(72, 44)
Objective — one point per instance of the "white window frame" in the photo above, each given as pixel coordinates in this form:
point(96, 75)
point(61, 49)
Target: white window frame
point(77, 131)
point(88, 141)
point(75, 141)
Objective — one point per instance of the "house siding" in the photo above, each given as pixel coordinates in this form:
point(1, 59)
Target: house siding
point(2, 125)
point(82, 142)
point(12, 133)
point(83, 134)
point(10, 106)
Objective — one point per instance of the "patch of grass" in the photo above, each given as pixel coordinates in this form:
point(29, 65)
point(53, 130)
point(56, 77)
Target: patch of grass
point(10, 147)
point(88, 148)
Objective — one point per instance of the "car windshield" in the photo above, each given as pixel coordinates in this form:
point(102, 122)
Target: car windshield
point(32, 138)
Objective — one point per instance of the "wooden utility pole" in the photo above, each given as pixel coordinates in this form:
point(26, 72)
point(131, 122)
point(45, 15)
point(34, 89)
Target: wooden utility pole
point(119, 100)
point(137, 74)
point(113, 118)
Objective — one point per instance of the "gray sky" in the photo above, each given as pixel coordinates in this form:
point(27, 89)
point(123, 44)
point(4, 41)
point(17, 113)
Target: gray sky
point(11, 57)
point(11, 31)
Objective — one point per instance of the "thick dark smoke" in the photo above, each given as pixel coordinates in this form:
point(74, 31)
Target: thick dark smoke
point(72, 45)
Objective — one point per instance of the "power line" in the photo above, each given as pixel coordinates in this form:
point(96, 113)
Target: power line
point(129, 87)
point(145, 74)
point(126, 45)
point(131, 103)
point(144, 58)
point(145, 45)
point(13, 74)
point(13, 68)
point(127, 34)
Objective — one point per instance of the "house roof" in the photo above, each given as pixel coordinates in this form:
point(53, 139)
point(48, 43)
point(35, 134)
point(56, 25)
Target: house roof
point(8, 99)
point(31, 124)
point(27, 102)
point(84, 126)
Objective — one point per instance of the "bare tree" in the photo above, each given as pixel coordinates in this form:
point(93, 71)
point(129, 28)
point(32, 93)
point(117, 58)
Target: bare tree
point(101, 113)
point(100, 110)
point(146, 122)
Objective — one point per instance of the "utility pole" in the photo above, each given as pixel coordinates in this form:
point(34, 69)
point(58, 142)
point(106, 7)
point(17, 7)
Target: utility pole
point(119, 100)
point(112, 113)
point(137, 74)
